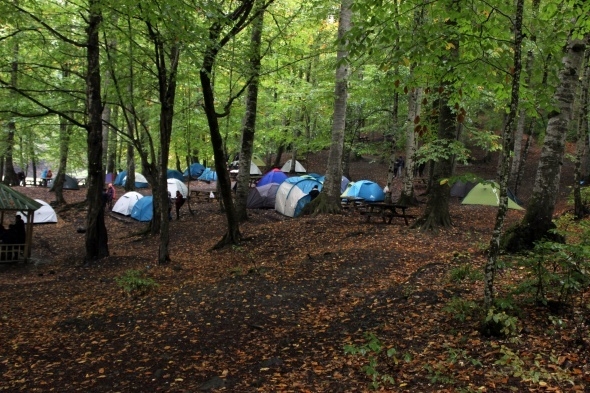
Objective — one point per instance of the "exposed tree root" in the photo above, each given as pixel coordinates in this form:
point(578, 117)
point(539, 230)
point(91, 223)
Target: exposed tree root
point(228, 240)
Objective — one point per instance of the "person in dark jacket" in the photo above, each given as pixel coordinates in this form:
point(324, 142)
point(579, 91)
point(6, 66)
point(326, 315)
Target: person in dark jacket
point(178, 203)
point(314, 192)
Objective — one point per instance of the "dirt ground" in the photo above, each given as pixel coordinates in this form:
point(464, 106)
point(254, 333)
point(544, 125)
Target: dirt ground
point(275, 313)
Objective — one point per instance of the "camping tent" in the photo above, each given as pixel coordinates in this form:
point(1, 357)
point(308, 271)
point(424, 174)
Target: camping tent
point(343, 182)
point(195, 169)
point(208, 175)
point(293, 195)
point(143, 209)
point(109, 178)
point(140, 180)
point(272, 176)
point(69, 183)
point(43, 215)
point(176, 185)
point(254, 170)
point(366, 189)
point(461, 189)
point(174, 174)
point(488, 194)
point(262, 197)
point(298, 167)
point(125, 204)
point(257, 160)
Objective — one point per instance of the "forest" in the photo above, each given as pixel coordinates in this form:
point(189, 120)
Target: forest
point(463, 91)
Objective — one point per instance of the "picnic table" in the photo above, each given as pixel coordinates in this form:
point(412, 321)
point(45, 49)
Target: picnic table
point(387, 211)
point(351, 202)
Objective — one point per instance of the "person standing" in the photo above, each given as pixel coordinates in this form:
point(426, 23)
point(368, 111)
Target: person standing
point(178, 203)
point(110, 196)
point(169, 206)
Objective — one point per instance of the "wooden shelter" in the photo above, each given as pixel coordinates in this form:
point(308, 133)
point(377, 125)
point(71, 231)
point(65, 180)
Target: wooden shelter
point(12, 201)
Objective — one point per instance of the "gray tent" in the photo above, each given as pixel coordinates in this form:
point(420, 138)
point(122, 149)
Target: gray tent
point(262, 197)
point(69, 184)
point(460, 189)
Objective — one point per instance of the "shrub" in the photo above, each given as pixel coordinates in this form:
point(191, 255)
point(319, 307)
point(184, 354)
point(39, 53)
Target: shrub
point(135, 282)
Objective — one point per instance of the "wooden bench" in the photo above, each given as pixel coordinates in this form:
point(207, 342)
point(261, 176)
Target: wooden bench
point(387, 212)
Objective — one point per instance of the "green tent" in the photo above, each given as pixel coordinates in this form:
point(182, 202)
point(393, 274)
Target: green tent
point(258, 161)
point(488, 194)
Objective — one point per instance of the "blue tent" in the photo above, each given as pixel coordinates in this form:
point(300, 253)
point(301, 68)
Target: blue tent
point(208, 175)
point(174, 174)
point(119, 179)
point(370, 191)
point(273, 176)
point(143, 210)
point(196, 170)
point(140, 180)
point(293, 195)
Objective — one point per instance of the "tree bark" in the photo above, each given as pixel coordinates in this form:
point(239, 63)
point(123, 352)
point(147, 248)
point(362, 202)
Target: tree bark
point(10, 177)
point(96, 232)
point(539, 214)
point(329, 200)
point(507, 134)
point(249, 128)
point(582, 135)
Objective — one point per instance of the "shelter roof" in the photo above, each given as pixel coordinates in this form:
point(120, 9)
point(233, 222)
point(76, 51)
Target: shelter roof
point(11, 199)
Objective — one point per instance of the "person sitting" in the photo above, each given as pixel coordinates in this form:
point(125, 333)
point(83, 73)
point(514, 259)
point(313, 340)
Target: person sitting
point(314, 192)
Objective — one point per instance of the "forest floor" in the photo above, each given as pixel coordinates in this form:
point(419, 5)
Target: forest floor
point(276, 313)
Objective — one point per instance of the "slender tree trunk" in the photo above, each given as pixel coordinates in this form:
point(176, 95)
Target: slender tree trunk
point(249, 128)
point(329, 200)
point(10, 177)
point(414, 107)
point(96, 232)
point(64, 143)
point(582, 136)
point(507, 134)
point(539, 214)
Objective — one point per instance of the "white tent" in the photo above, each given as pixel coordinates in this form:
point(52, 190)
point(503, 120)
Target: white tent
point(176, 185)
point(287, 199)
point(125, 204)
point(298, 167)
point(140, 180)
point(45, 214)
point(254, 170)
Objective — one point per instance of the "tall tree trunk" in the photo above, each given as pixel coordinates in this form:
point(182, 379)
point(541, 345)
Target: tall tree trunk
point(437, 212)
point(582, 137)
point(64, 143)
point(414, 106)
point(539, 214)
point(96, 232)
point(329, 200)
point(10, 177)
point(249, 127)
point(507, 134)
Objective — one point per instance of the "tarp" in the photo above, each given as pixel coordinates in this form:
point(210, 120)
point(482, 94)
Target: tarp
point(208, 175)
point(109, 178)
point(298, 167)
point(461, 189)
point(487, 194)
point(44, 215)
point(174, 174)
point(272, 176)
point(196, 170)
point(366, 189)
point(125, 203)
point(293, 194)
point(143, 209)
point(69, 183)
point(176, 185)
point(140, 180)
point(262, 197)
